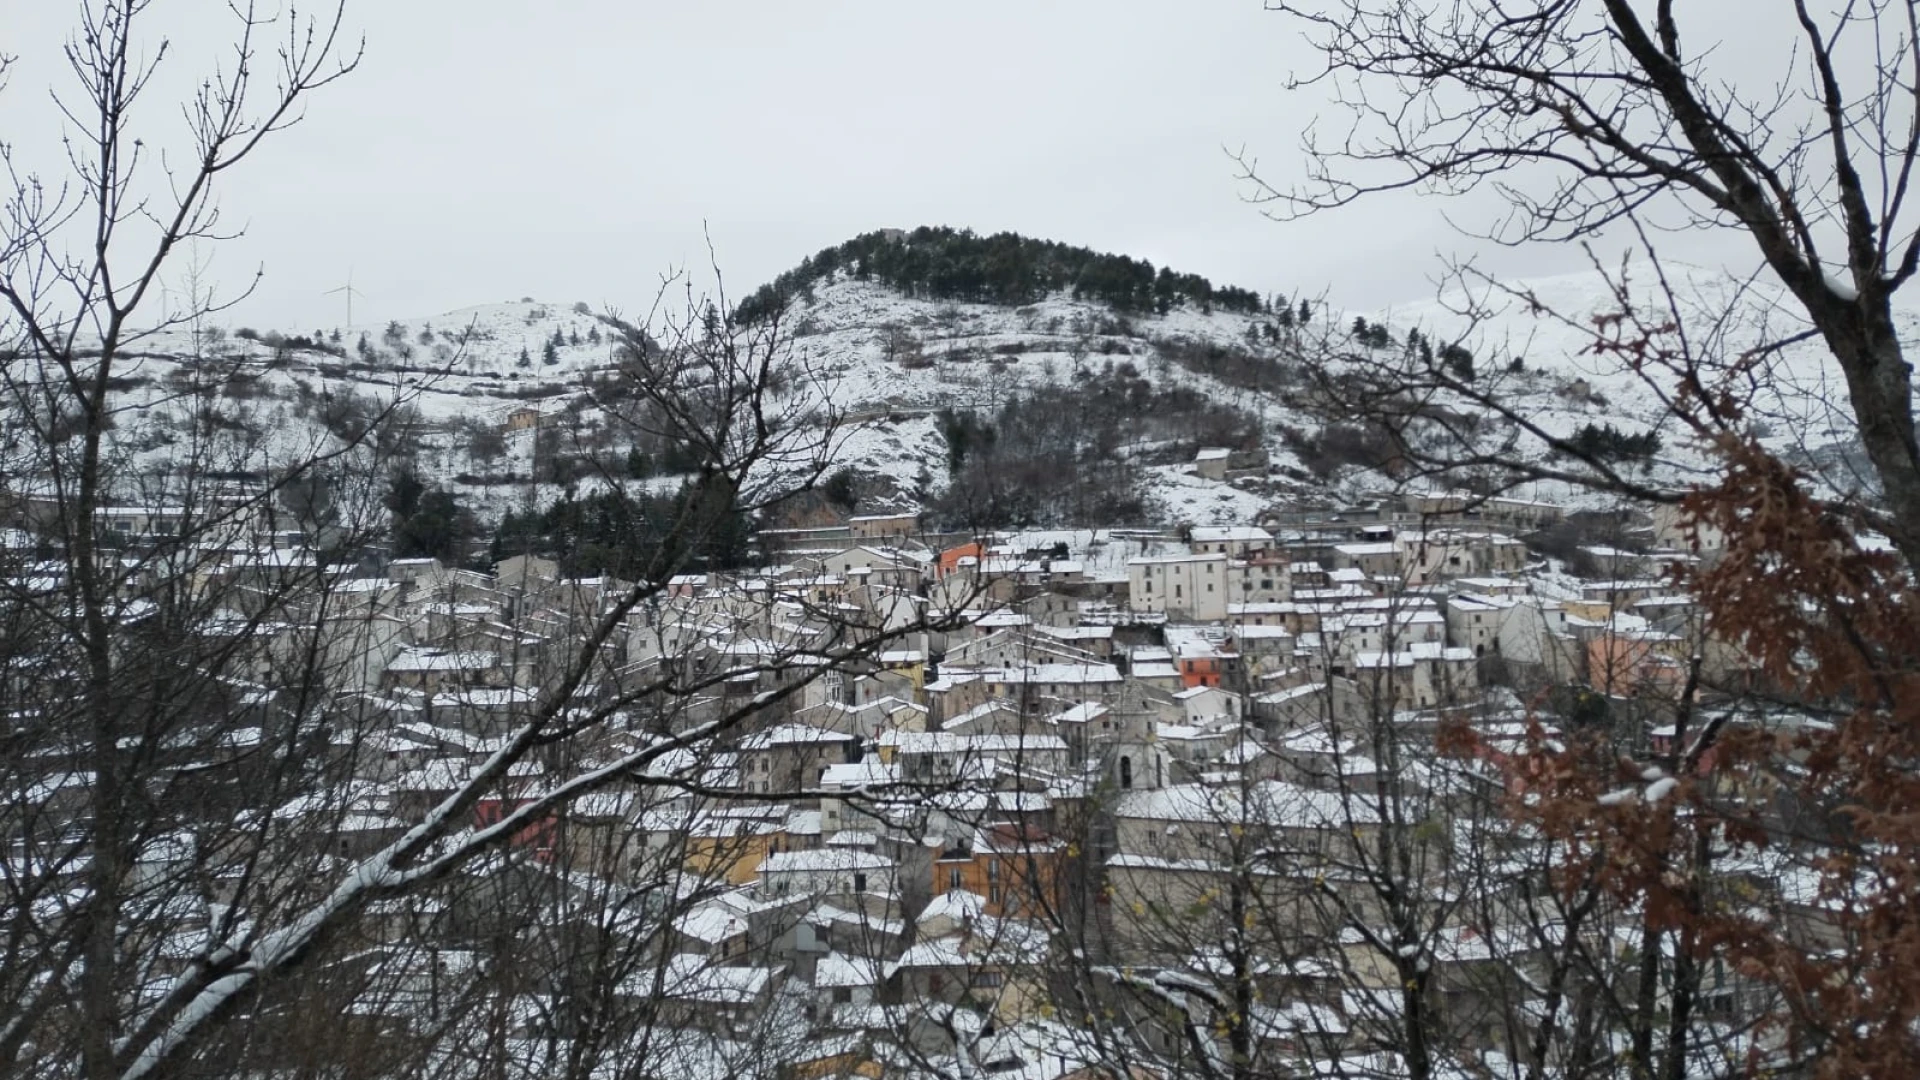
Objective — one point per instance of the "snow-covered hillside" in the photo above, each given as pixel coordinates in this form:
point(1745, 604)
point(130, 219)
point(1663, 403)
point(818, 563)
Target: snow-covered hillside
point(1794, 396)
point(889, 362)
point(885, 365)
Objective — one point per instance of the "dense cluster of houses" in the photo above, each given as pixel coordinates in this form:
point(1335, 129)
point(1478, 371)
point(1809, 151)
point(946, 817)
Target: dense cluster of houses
point(938, 763)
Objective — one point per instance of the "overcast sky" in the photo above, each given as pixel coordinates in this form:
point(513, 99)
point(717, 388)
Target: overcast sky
point(574, 149)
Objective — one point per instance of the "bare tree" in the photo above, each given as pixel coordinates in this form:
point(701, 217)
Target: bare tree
point(255, 799)
point(1583, 115)
point(78, 261)
point(1581, 118)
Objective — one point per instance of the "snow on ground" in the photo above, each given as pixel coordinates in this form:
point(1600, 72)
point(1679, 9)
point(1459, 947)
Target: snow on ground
point(1101, 553)
point(1182, 497)
point(460, 371)
point(1798, 398)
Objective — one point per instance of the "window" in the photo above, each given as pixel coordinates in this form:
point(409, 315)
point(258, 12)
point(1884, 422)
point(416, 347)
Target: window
point(843, 995)
point(953, 878)
point(993, 870)
point(1176, 590)
point(986, 980)
point(859, 883)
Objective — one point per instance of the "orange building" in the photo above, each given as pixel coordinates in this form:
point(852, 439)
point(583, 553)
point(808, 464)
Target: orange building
point(950, 558)
point(540, 835)
point(1015, 868)
point(1202, 664)
point(1620, 664)
point(725, 846)
point(1199, 672)
point(736, 858)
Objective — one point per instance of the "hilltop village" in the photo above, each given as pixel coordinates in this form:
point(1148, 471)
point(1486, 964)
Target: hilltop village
point(937, 795)
point(960, 655)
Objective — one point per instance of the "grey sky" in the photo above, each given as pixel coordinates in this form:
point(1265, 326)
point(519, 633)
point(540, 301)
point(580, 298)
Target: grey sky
point(571, 150)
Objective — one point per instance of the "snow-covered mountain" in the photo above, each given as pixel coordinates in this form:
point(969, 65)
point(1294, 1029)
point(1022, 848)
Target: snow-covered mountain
point(1739, 334)
point(888, 364)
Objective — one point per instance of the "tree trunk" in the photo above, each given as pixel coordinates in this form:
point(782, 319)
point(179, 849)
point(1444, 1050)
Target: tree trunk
point(1880, 385)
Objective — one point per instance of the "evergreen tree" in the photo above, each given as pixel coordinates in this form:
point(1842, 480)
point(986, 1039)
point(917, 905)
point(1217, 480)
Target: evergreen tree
point(839, 490)
point(549, 355)
point(1608, 443)
point(525, 361)
point(427, 522)
point(1005, 268)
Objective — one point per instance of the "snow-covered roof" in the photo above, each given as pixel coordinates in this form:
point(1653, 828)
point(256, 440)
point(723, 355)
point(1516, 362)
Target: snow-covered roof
point(792, 735)
point(1271, 802)
point(838, 970)
point(849, 777)
point(1056, 673)
point(428, 659)
point(823, 860)
point(1213, 534)
point(1084, 713)
point(958, 905)
point(710, 923)
point(696, 978)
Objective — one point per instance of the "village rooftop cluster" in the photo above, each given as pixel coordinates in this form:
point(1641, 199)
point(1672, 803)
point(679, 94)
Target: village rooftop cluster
point(1054, 740)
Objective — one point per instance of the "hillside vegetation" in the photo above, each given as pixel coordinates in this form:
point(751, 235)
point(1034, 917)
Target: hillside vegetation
point(985, 381)
point(943, 263)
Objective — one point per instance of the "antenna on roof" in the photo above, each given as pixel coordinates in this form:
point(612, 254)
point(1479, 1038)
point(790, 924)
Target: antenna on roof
point(351, 293)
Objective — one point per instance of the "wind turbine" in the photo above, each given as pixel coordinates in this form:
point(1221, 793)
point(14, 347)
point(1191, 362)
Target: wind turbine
point(351, 293)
